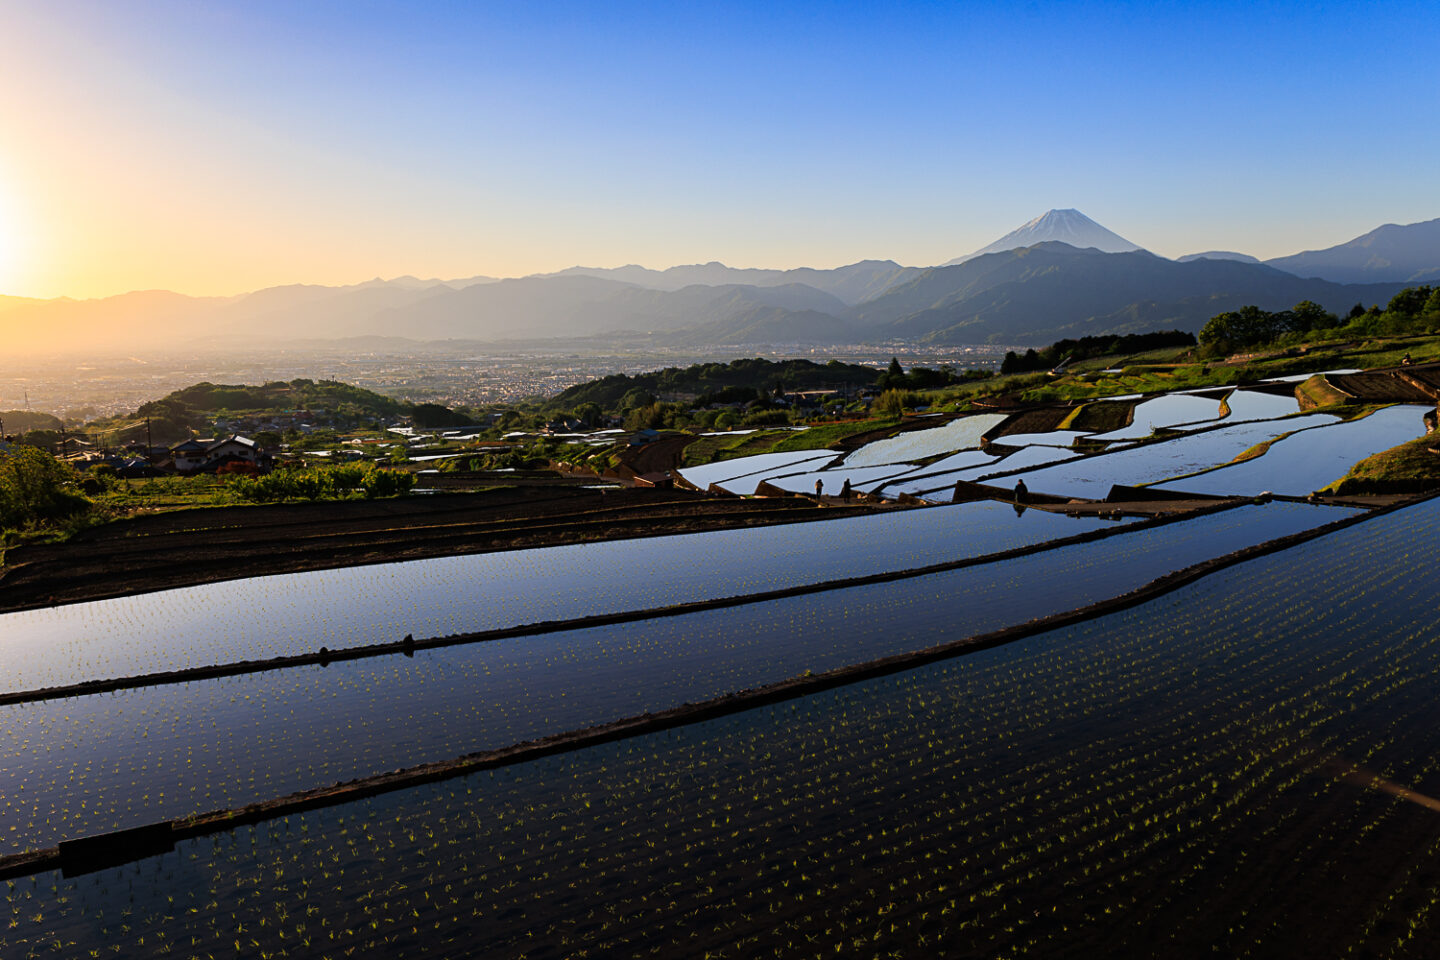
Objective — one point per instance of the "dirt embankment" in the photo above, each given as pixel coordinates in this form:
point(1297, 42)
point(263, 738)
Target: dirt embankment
point(1036, 420)
point(188, 547)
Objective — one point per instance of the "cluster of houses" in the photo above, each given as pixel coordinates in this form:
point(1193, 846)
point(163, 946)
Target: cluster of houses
point(212, 455)
point(301, 421)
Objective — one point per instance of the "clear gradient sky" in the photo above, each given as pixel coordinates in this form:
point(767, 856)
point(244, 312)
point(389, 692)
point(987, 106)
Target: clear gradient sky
point(219, 147)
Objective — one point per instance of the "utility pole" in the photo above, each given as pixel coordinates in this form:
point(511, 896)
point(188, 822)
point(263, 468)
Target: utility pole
point(149, 444)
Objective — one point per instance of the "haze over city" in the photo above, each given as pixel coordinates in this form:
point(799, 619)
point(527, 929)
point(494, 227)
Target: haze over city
point(217, 148)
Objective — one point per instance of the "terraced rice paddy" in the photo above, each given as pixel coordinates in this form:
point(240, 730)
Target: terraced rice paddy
point(1093, 476)
point(1253, 405)
point(702, 476)
point(299, 613)
point(82, 765)
point(1166, 411)
point(961, 434)
point(1175, 779)
point(1053, 438)
point(833, 480)
point(1244, 766)
point(1311, 459)
point(927, 483)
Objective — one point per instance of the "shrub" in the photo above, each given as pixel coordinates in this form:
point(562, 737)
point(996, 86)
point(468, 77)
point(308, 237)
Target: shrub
point(36, 489)
point(322, 483)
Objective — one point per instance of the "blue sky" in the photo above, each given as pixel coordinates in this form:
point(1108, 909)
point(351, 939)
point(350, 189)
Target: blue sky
point(218, 147)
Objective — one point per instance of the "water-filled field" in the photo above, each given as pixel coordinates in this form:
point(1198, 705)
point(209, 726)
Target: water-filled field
point(299, 613)
point(1244, 767)
point(960, 434)
point(81, 765)
point(1093, 476)
point(1166, 411)
point(1051, 438)
point(703, 476)
point(928, 483)
point(1311, 459)
point(834, 480)
point(1254, 405)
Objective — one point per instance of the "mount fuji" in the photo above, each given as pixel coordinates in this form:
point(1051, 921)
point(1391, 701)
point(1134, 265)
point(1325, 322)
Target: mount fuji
point(1066, 226)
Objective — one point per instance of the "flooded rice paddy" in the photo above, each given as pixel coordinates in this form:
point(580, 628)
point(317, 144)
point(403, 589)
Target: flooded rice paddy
point(1093, 476)
point(355, 606)
point(1132, 785)
point(960, 434)
point(87, 764)
point(1311, 459)
point(1245, 766)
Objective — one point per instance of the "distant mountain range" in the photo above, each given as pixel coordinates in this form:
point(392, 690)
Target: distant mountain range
point(1059, 275)
point(1408, 253)
point(1217, 255)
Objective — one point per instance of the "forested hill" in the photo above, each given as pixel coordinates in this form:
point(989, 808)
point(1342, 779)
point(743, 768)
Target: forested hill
point(279, 396)
point(713, 377)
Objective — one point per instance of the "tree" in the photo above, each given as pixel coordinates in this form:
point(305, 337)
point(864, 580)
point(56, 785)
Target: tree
point(1409, 302)
point(1309, 315)
point(587, 413)
point(35, 488)
point(1246, 326)
point(890, 405)
point(894, 375)
point(431, 415)
point(1432, 306)
point(1014, 363)
point(636, 397)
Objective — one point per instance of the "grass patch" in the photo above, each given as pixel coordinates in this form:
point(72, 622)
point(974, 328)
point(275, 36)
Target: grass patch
point(730, 446)
point(705, 449)
point(1260, 449)
point(168, 493)
point(826, 435)
point(1317, 392)
point(1412, 467)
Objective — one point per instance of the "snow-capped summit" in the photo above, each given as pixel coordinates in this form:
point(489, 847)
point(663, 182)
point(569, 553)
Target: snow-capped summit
point(1066, 226)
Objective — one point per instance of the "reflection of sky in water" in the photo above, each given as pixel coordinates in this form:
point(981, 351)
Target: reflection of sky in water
point(1197, 710)
point(835, 479)
point(1092, 477)
point(156, 752)
point(1019, 460)
point(703, 476)
point(1164, 412)
point(1055, 438)
point(1312, 459)
point(965, 458)
point(300, 612)
point(1254, 405)
point(918, 444)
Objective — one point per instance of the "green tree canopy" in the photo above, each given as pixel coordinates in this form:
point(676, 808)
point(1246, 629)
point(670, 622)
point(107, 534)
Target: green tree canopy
point(35, 488)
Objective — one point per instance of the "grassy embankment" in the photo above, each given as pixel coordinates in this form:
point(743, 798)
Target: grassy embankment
point(1412, 467)
point(1182, 369)
point(819, 437)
